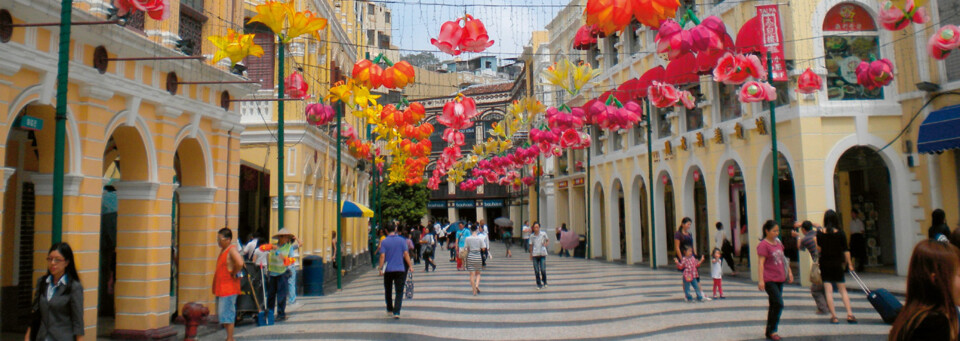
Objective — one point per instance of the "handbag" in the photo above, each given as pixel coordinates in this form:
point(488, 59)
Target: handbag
point(408, 286)
point(463, 253)
point(815, 272)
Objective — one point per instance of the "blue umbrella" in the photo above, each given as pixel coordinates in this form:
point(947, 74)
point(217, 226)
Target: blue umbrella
point(354, 210)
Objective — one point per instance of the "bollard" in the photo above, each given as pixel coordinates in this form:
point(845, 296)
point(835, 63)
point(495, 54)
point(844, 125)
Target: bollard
point(194, 314)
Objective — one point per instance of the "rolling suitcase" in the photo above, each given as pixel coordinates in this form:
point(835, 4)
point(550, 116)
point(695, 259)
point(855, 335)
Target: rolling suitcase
point(882, 300)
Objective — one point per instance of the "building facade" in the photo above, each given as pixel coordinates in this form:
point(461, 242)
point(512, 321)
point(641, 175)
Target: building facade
point(842, 148)
point(310, 154)
point(151, 165)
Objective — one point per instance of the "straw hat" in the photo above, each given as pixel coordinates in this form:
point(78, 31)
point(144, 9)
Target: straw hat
point(283, 232)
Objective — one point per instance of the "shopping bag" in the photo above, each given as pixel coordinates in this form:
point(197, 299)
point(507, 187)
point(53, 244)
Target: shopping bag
point(408, 290)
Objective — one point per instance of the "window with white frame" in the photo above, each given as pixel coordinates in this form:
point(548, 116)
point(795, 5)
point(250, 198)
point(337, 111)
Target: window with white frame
point(611, 49)
point(850, 36)
point(729, 104)
point(633, 39)
point(640, 133)
point(664, 126)
point(694, 117)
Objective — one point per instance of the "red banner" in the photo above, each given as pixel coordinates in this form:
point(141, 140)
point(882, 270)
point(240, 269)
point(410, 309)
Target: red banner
point(772, 38)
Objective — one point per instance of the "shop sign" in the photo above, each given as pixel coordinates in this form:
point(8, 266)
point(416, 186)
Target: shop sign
point(563, 184)
point(28, 123)
point(464, 203)
point(436, 204)
point(772, 38)
point(848, 17)
point(578, 182)
point(491, 203)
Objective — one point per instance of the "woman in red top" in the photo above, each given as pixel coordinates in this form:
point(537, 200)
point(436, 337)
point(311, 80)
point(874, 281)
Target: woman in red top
point(226, 284)
point(773, 272)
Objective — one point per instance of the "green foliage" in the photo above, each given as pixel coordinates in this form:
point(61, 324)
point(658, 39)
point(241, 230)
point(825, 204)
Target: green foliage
point(423, 59)
point(404, 203)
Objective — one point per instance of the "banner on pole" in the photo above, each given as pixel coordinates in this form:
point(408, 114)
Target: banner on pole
point(772, 37)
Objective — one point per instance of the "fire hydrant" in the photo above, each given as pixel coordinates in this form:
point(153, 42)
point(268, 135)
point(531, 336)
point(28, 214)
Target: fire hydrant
point(193, 314)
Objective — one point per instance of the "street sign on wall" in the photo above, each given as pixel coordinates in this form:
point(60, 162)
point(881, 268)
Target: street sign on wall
point(772, 37)
point(28, 123)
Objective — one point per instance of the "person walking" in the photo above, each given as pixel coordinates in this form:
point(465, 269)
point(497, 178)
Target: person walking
point(726, 247)
point(858, 242)
point(933, 293)
point(808, 242)
point(682, 238)
point(716, 272)
point(773, 271)
point(394, 262)
point(560, 232)
point(508, 240)
point(473, 244)
point(415, 234)
point(539, 241)
point(58, 299)
point(462, 235)
point(525, 234)
point(278, 260)
point(485, 248)
point(834, 259)
point(429, 244)
point(226, 284)
point(691, 274)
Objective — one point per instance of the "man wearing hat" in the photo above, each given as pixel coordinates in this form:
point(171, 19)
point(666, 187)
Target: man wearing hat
point(278, 259)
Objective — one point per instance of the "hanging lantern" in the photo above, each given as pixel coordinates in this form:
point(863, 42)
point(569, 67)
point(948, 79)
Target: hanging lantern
point(696, 175)
point(809, 82)
point(664, 179)
point(731, 171)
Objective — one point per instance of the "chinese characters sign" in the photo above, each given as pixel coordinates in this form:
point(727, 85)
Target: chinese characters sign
point(772, 38)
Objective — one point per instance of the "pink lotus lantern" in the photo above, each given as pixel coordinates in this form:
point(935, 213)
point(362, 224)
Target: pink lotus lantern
point(673, 39)
point(736, 69)
point(875, 74)
point(454, 39)
point(689, 102)
point(295, 87)
point(663, 95)
point(894, 18)
point(156, 9)
point(586, 37)
point(809, 82)
point(941, 43)
point(449, 40)
point(319, 114)
point(754, 91)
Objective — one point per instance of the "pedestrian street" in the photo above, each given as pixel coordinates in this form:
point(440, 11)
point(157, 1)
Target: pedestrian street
point(585, 300)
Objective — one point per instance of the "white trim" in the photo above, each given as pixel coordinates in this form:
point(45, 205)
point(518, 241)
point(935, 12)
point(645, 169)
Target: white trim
point(43, 184)
point(137, 190)
point(196, 195)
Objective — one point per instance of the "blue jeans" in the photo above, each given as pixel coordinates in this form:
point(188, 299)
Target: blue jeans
point(540, 270)
point(292, 286)
point(695, 284)
point(775, 297)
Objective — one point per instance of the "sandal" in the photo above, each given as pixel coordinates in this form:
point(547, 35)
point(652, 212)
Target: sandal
point(773, 337)
point(851, 319)
point(834, 320)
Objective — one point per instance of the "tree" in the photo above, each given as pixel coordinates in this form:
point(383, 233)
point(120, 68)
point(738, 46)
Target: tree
point(404, 203)
point(422, 59)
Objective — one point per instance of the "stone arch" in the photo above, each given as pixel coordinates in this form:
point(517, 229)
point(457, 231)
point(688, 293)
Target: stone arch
point(614, 233)
point(899, 177)
point(74, 151)
point(638, 199)
point(665, 208)
point(191, 133)
point(597, 219)
point(765, 166)
point(695, 205)
point(141, 131)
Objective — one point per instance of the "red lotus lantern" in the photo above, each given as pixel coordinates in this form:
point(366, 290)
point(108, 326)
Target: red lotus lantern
point(471, 37)
point(736, 69)
point(295, 87)
point(586, 37)
point(663, 95)
point(673, 39)
point(754, 91)
point(809, 82)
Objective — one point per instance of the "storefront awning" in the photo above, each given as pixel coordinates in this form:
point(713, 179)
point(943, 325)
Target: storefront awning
point(940, 131)
point(355, 210)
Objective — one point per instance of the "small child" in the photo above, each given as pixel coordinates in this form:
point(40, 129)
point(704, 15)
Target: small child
point(716, 271)
point(691, 275)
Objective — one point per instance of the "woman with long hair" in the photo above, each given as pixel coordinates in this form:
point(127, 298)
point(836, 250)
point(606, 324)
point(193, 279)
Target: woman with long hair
point(682, 238)
point(834, 261)
point(474, 260)
point(773, 272)
point(932, 294)
point(58, 301)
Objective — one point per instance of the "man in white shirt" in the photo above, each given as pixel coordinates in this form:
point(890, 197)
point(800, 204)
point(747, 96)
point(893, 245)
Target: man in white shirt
point(538, 254)
point(485, 249)
point(525, 233)
point(858, 241)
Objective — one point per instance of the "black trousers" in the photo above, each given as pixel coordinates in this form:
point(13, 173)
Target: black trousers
point(858, 249)
point(394, 281)
point(483, 256)
point(775, 296)
point(416, 253)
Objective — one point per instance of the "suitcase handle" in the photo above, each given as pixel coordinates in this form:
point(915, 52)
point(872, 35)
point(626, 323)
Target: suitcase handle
point(860, 282)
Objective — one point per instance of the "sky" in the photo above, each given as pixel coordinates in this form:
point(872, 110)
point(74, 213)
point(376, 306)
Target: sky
point(509, 22)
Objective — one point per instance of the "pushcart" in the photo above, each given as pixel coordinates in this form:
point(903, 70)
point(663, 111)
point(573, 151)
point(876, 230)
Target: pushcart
point(250, 302)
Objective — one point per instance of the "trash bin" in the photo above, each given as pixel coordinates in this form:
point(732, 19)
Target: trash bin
point(581, 250)
point(312, 276)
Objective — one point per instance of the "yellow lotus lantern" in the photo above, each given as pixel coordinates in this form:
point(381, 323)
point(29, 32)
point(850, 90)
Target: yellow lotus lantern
point(276, 15)
point(235, 46)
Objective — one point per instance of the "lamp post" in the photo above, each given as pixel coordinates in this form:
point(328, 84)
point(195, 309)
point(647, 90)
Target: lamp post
point(589, 201)
point(653, 217)
point(776, 152)
point(281, 210)
point(339, 200)
point(63, 63)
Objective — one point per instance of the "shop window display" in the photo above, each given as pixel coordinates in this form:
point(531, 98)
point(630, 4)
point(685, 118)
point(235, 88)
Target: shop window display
point(850, 37)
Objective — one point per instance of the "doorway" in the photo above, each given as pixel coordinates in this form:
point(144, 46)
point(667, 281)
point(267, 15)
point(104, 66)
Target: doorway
point(862, 182)
point(670, 214)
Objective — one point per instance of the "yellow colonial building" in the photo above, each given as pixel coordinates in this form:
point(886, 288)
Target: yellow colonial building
point(152, 164)
point(841, 148)
point(309, 168)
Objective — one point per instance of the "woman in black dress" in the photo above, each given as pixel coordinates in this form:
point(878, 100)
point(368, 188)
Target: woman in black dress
point(834, 261)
